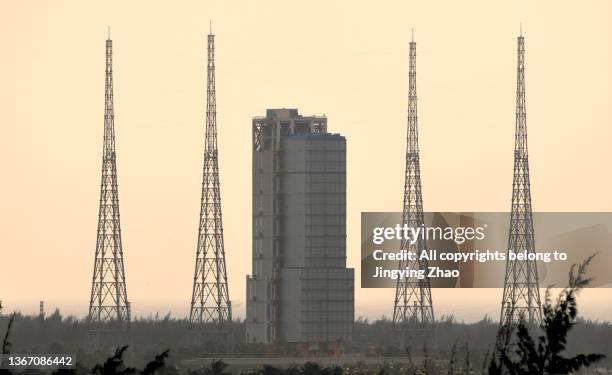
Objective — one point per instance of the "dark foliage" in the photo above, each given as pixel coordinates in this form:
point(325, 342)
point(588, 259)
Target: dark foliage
point(522, 349)
point(371, 338)
point(157, 364)
point(519, 352)
point(114, 365)
point(6, 344)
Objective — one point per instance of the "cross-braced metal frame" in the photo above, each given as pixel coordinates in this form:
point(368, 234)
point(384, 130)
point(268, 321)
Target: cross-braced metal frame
point(413, 309)
point(210, 303)
point(521, 297)
point(109, 303)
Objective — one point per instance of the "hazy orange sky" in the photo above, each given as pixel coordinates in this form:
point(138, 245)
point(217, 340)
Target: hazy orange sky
point(347, 60)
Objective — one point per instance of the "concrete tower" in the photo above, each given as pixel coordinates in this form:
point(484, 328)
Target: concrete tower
point(300, 289)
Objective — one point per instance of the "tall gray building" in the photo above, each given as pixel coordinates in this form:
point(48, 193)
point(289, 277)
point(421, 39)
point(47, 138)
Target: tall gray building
point(300, 289)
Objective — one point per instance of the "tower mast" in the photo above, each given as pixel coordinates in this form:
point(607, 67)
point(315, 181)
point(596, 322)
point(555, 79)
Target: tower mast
point(413, 309)
point(109, 302)
point(210, 303)
point(521, 296)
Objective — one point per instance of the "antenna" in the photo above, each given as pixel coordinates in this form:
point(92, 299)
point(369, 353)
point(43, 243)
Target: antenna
point(413, 314)
point(211, 307)
point(521, 298)
point(108, 302)
point(108, 32)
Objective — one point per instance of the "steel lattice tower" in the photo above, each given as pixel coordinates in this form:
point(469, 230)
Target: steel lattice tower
point(109, 302)
point(210, 301)
point(413, 310)
point(521, 287)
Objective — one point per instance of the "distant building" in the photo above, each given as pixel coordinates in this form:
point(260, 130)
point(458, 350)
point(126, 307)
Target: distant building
point(300, 289)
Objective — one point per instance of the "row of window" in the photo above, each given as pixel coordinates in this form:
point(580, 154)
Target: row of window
point(330, 156)
point(326, 241)
point(324, 251)
point(328, 219)
point(326, 167)
point(330, 317)
point(326, 262)
point(325, 188)
point(328, 293)
point(329, 178)
point(326, 284)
